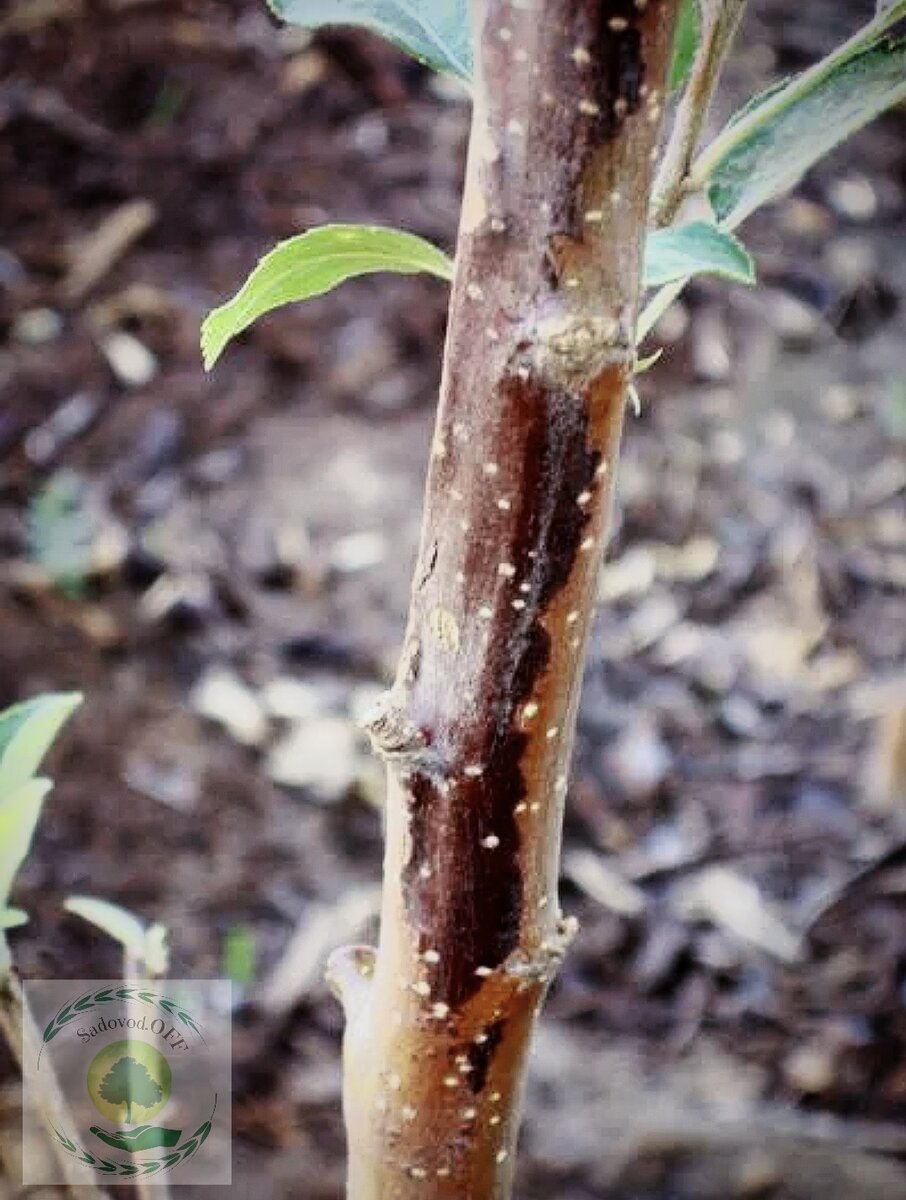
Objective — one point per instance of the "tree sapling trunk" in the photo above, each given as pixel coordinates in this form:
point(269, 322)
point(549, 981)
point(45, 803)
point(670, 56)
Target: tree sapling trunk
point(477, 730)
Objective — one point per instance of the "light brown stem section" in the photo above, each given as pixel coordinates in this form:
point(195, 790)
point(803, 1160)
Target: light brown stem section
point(477, 730)
point(719, 22)
point(18, 1029)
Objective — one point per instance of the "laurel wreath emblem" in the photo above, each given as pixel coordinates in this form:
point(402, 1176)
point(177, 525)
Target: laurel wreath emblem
point(77, 1008)
point(150, 1166)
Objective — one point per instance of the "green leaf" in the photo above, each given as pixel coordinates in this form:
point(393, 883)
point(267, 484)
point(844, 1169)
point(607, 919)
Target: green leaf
point(774, 138)
point(239, 955)
point(437, 32)
point(61, 531)
point(312, 263)
point(12, 918)
point(767, 149)
point(145, 943)
point(698, 248)
point(647, 361)
point(27, 731)
point(685, 43)
point(19, 815)
point(118, 923)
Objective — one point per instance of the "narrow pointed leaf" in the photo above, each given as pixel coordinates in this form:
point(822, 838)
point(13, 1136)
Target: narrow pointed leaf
point(647, 361)
point(19, 815)
point(782, 135)
point(27, 732)
point(118, 923)
point(435, 31)
point(698, 248)
point(685, 43)
point(312, 263)
point(146, 943)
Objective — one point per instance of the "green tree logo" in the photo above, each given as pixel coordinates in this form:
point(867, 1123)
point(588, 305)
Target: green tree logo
point(128, 1082)
point(129, 1079)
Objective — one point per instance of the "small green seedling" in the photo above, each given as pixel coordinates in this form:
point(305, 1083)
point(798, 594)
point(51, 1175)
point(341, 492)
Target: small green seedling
point(27, 731)
point(144, 946)
point(239, 956)
point(61, 529)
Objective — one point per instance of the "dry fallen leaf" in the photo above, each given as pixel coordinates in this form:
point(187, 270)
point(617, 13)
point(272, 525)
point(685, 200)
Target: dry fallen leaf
point(723, 896)
point(97, 253)
point(884, 783)
point(603, 883)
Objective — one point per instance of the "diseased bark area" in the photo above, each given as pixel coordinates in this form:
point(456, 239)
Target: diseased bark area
point(472, 805)
point(478, 727)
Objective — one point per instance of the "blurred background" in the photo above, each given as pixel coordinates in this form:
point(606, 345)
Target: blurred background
point(222, 563)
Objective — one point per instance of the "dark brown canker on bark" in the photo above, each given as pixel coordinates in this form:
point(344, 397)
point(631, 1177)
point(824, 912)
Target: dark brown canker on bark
point(469, 789)
point(477, 729)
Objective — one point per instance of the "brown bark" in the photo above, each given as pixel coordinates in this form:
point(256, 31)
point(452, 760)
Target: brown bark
point(477, 730)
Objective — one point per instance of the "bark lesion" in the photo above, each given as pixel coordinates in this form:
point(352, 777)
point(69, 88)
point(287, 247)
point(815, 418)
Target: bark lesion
point(462, 879)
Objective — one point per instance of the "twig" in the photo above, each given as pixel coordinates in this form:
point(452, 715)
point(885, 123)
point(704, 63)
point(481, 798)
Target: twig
point(101, 250)
point(719, 22)
point(757, 116)
point(18, 1029)
point(317, 933)
point(136, 968)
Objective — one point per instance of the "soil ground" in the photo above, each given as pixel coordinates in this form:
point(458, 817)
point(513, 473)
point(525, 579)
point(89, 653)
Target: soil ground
point(221, 564)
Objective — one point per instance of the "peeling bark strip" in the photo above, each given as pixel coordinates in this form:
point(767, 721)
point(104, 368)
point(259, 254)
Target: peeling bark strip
point(477, 730)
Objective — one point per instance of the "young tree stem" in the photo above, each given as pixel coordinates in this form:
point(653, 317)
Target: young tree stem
point(477, 730)
point(719, 22)
point(18, 1029)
